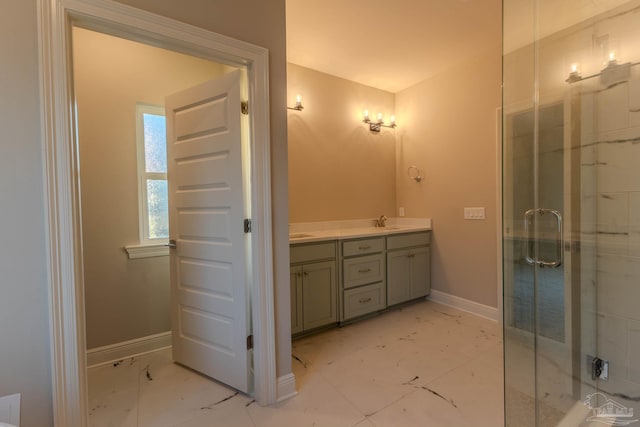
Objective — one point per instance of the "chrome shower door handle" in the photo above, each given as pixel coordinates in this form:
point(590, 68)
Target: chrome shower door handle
point(527, 241)
point(559, 241)
point(559, 246)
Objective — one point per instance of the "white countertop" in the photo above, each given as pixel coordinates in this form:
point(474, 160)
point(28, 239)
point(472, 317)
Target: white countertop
point(338, 230)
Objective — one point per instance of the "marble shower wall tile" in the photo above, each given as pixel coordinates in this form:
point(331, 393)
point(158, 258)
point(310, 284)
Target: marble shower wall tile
point(618, 156)
point(612, 108)
point(634, 103)
point(634, 351)
point(634, 224)
point(612, 223)
point(613, 344)
point(618, 292)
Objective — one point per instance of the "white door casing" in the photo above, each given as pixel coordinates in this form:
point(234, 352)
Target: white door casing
point(64, 275)
point(209, 294)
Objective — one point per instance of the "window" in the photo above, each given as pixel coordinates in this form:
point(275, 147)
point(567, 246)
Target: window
point(152, 175)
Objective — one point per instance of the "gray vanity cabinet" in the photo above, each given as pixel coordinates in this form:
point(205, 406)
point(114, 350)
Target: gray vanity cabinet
point(408, 267)
point(313, 286)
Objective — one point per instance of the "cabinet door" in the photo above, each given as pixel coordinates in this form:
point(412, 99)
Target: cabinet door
point(296, 299)
point(420, 272)
point(319, 294)
point(398, 277)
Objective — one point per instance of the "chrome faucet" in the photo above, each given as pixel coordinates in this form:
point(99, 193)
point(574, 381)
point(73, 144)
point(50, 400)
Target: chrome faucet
point(382, 221)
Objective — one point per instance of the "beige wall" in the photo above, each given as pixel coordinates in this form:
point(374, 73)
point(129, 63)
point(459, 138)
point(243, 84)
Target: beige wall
point(447, 128)
point(125, 299)
point(24, 327)
point(25, 357)
point(338, 169)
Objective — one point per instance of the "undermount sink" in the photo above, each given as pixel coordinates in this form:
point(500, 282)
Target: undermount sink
point(299, 235)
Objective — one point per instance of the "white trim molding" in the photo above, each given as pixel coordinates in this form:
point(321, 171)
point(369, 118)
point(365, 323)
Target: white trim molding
point(60, 160)
point(286, 387)
point(132, 348)
point(463, 304)
point(146, 251)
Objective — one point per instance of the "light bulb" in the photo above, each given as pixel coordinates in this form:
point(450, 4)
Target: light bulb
point(379, 117)
point(393, 120)
point(366, 114)
point(574, 68)
point(298, 99)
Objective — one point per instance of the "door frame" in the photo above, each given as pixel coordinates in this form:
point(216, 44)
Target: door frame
point(62, 198)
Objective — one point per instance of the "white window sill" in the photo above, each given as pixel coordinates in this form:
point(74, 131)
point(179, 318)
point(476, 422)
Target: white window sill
point(147, 251)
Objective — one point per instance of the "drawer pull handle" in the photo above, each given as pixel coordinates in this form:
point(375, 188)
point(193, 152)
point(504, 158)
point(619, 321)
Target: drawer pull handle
point(364, 248)
point(306, 273)
point(364, 270)
point(364, 300)
point(411, 256)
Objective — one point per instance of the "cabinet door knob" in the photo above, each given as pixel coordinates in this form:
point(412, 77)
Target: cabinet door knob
point(363, 248)
point(364, 300)
point(364, 270)
point(411, 256)
point(306, 273)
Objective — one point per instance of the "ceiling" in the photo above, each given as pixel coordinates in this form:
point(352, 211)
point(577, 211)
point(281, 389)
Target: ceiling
point(394, 44)
point(390, 45)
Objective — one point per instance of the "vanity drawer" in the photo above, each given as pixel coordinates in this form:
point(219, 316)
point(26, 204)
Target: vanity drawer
point(312, 252)
point(362, 246)
point(363, 270)
point(421, 238)
point(364, 300)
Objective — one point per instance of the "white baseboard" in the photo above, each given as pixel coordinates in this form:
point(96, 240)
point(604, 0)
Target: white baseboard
point(122, 350)
point(286, 387)
point(463, 304)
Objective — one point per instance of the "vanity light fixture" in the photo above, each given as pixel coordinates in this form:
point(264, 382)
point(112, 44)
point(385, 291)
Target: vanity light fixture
point(298, 106)
point(379, 123)
point(611, 74)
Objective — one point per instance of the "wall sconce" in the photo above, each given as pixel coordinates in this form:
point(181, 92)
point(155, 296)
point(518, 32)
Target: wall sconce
point(298, 106)
point(379, 123)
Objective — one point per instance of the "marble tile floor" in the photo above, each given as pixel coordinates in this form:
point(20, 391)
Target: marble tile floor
point(422, 365)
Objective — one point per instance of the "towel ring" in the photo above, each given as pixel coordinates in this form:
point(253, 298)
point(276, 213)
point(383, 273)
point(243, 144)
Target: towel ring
point(414, 173)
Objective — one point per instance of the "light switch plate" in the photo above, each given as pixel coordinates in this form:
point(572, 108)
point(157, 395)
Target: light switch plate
point(474, 213)
point(10, 409)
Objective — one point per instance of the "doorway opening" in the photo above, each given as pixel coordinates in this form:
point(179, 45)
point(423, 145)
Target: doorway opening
point(56, 21)
point(120, 89)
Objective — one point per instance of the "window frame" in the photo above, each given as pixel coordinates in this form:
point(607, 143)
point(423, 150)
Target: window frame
point(143, 176)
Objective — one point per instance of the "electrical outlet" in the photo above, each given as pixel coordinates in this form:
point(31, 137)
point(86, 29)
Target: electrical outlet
point(400, 211)
point(474, 213)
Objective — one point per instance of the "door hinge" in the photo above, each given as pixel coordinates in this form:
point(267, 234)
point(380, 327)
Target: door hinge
point(250, 342)
point(244, 107)
point(247, 226)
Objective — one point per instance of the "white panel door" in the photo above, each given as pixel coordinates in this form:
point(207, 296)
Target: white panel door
point(209, 292)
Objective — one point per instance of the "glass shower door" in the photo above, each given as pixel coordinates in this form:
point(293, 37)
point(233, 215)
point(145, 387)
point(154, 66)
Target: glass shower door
point(571, 212)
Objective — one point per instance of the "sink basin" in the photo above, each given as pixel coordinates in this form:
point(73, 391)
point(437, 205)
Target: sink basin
point(299, 235)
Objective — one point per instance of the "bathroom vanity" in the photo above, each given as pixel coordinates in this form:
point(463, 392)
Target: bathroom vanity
point(341, 275)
